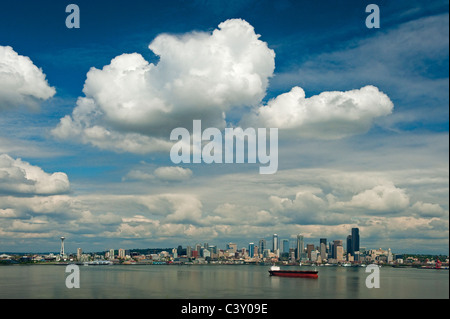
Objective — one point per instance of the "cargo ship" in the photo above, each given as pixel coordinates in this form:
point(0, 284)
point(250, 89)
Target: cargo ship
point(276, 271)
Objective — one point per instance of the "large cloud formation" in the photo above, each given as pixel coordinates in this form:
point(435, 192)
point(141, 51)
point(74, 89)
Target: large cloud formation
point(21, 178)
point(132, 105)
point(21, 82)
point(329, 115)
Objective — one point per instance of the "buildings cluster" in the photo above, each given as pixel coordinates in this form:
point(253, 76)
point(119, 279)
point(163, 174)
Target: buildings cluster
point(274, 250)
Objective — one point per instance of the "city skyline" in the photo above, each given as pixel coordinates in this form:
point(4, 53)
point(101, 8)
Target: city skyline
point(294, 243)
point(86, 116)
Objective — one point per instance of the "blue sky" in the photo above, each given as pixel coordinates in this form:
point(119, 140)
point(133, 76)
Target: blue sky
point(381, 166)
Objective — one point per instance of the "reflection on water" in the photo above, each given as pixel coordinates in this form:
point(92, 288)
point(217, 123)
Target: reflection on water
point(217, 281)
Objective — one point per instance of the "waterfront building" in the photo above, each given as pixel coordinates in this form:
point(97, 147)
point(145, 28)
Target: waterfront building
point(349, 245)
point(300, 247)
point(175, 253)
point(198, 248)
point(232, 248)
point(275, 243)
point(313, 255)
point(189, 251)
point(355, 240)
point(323, 250)
point(286, 246)
point(338, 250)
point(262, 246)
point(389, 257)
point(309, 249)
point(251, 250)
point(292, 255)
point(323, 241)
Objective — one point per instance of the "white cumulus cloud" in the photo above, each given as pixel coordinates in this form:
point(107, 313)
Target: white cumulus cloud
point(21, 82)
point(19, 177)
point(173, 173)
point(329, 115)
point(132, 105)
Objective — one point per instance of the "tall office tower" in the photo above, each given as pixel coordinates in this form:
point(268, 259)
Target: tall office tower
point(338, 250)
point(285, 245)
point(349, 245)
point(323, 241)
point(79, 253)
point(355, 240)
point(111, 254)
point(61, 253)
point(251, 250)
point(262, 246)
point(198, 248)
point(309, 249)
point(300, 246)
point(189, 251)
point(121, 253)
point(275, 245)
point(339, 253)
point(323, 251)
point(330, 250)
point(206, 246)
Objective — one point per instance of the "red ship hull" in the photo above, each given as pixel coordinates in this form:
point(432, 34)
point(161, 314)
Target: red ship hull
point(294, 273)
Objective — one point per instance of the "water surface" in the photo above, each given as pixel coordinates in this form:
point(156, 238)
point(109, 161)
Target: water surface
point(217, 282)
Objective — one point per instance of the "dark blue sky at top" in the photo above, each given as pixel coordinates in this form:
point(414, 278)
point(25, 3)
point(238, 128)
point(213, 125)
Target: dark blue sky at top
point(294, 29)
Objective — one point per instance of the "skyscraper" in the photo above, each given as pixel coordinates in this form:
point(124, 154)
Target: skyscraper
point(338, 250)
point(355, 240)
point(189, 251)
point(350, 245)
point(275, 243)
point(323, 241)
point(251, 250)
point(330, 250)
point(262, 246)
point(309, 249)
point(323, 250)
point(198, 248)
point(285, 246)
point(300, 246)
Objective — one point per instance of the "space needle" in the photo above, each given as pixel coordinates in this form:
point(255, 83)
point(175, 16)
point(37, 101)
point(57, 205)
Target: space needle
point(62, 247)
